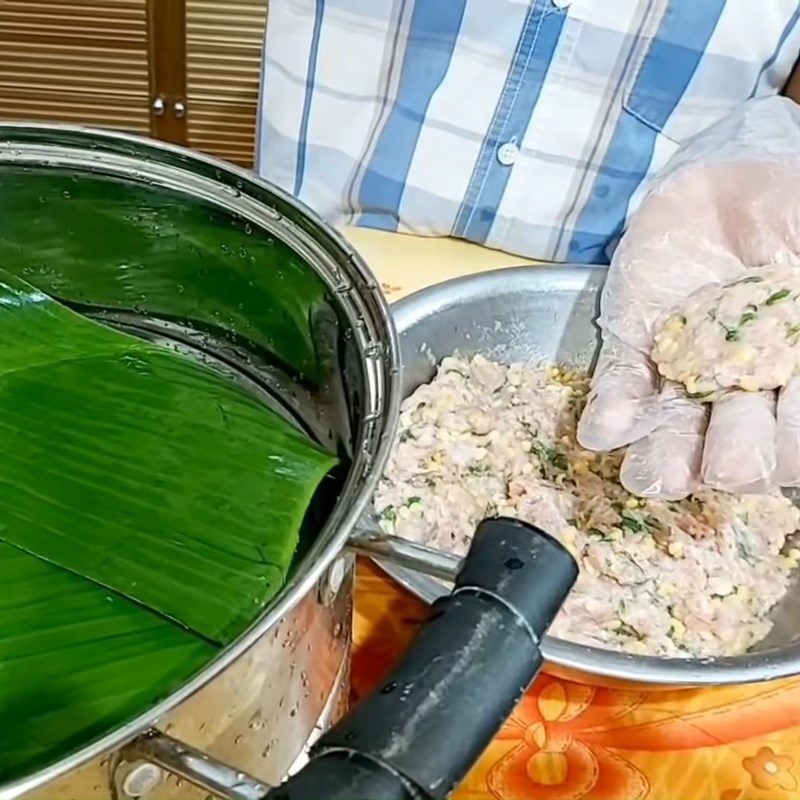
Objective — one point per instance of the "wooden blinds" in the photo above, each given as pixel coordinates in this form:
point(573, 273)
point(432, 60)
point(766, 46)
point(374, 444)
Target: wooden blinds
point(223, 58)
point(78, 61)
point(182, 70)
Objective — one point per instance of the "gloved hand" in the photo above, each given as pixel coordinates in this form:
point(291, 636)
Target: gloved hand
point(728, 202)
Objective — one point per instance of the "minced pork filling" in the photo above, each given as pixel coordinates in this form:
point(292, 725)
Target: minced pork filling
point(742, 335)
point(670, 578)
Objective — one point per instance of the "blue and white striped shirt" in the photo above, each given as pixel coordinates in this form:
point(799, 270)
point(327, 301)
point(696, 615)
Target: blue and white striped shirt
point(527, 125)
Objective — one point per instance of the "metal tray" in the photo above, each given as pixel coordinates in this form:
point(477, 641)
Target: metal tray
point(546, 314)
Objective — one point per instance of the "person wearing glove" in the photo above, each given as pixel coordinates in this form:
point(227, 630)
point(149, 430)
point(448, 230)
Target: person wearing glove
point(725, 205)
point(538, 127)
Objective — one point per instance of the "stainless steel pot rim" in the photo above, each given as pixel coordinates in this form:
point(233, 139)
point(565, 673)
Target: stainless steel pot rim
point(368, 460)
point(568, 656)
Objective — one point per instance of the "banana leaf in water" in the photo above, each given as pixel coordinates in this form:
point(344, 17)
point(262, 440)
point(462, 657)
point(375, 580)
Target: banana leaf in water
point(120, 244)
point(150, 509)
point(143, 471)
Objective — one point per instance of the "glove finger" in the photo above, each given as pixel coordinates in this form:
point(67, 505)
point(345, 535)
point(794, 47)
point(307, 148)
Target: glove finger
point(666, 463)
point(739, 454)
point(623, 404)
point(787, 441)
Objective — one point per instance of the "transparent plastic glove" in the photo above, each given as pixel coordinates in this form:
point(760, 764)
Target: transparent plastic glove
point(728, 202)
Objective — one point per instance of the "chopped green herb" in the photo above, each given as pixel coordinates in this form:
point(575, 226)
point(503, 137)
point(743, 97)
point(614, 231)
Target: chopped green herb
point(623, 629)
point(743, 545)
point(750, 279)
point(747, 318)
point(407, 436)
point(572, 522)
point(389, 514)
point(792, 330)
point(549, 457)
point(632, 523)
point(478, 469)
point(413, 501)
point(651, 522)
point(683, 320)
point(732, 334)
point(777, 297)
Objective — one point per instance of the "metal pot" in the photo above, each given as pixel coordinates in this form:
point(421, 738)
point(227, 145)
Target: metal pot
point(336, 375)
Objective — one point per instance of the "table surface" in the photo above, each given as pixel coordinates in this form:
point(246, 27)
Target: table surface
point(568, 741)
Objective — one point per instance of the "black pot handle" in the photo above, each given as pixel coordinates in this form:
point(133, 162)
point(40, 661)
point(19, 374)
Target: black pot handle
point(420, 732)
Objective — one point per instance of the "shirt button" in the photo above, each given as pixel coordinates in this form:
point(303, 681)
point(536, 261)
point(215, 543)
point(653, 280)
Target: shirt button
point(562, 3)
point(507, 154)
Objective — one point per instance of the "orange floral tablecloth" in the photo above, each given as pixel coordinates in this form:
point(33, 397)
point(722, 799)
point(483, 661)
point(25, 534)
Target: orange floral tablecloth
point(567, 741)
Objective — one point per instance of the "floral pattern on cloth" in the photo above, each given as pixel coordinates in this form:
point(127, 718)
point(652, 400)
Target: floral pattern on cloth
point(571, 741)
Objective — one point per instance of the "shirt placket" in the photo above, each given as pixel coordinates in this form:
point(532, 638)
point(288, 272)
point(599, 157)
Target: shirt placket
point(535, 51)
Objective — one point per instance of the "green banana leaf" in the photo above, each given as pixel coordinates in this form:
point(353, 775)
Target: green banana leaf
point(76, 661)
point(145, 472)
point(86, 238)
